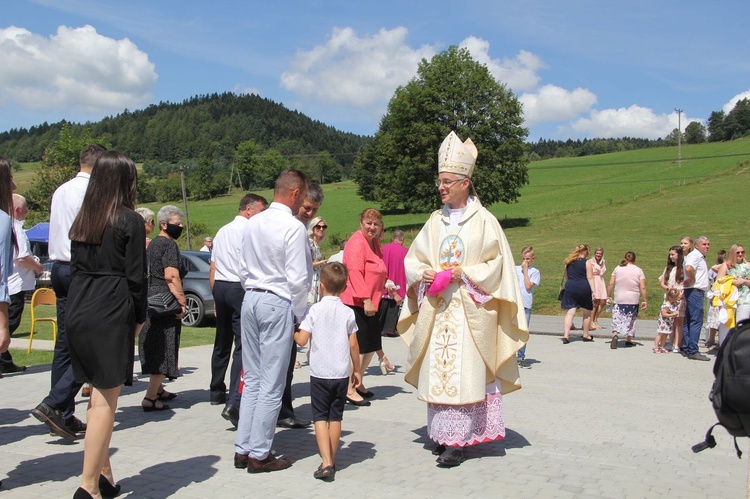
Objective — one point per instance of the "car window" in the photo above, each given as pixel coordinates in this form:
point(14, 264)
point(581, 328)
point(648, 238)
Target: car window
point(189, 265)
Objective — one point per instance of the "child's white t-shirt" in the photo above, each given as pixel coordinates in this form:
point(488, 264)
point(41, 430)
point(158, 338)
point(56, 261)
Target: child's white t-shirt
point(330, 323)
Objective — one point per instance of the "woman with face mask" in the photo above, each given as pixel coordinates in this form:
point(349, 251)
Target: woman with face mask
point(159, 341)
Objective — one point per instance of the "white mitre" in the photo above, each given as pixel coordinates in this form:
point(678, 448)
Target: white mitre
point(457, 157)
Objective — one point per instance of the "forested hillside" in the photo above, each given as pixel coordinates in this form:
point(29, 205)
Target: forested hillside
point(207, 126)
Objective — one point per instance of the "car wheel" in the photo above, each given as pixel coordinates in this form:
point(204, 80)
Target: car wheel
point(194, 312)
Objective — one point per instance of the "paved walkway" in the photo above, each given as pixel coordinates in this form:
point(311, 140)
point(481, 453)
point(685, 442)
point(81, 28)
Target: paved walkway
point(590, 421)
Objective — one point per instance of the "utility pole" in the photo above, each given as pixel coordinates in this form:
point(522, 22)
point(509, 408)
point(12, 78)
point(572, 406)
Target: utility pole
point(184, 203)
point(679, 137)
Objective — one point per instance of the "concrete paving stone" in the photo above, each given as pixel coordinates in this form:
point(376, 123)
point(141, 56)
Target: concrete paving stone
point(570, 421)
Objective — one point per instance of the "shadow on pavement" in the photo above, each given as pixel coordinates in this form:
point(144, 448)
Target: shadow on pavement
point(166, 479)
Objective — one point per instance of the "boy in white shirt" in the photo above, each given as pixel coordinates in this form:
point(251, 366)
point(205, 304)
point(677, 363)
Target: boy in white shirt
point(529, 278)
point(331, 327)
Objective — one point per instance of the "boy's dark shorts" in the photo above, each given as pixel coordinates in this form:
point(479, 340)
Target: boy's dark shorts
point(327, 397)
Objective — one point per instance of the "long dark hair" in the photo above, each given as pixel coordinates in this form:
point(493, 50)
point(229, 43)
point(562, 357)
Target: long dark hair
point(111, 188)
point(6, 194)
point(678, 264)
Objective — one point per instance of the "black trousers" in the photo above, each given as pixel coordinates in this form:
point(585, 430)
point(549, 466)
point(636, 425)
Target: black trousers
point(287, 411)
point(15, 312)
point(64, 387)
point(228, 298)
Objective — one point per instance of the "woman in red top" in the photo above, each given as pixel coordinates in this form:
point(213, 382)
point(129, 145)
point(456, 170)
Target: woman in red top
point(364, 288)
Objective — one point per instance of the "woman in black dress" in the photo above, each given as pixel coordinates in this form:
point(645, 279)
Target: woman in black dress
point(159, 342)
point(106, 306)
point(579, 282)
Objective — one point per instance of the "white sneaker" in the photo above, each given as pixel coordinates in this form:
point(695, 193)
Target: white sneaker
point(676, 350)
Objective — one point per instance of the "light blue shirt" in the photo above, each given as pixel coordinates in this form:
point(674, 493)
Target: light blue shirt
point(535, 277)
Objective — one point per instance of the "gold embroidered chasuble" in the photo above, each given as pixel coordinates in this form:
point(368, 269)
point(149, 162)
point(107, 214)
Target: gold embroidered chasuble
point(459, 349)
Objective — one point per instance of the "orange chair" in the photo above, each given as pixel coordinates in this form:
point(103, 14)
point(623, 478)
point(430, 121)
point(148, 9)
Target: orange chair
point(42, 296)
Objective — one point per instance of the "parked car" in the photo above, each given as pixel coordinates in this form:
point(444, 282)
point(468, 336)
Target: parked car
point(200, 301)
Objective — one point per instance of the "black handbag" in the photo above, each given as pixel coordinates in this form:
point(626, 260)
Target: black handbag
point(162, 305)
point(562, 290)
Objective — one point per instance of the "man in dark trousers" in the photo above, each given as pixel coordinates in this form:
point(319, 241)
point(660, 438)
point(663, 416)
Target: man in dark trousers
point(57, 409)
point(226, 286)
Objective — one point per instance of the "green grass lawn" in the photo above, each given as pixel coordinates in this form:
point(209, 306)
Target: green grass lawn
point(641, 201)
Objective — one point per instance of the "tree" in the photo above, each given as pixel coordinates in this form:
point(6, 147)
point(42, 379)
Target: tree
point(59, 164)
point(695, 133)
point(267, 168)
point(244, 156)
point(450, 92)
point(326, 169)
point(737, 123)
point(716, 130)
point(672, 138)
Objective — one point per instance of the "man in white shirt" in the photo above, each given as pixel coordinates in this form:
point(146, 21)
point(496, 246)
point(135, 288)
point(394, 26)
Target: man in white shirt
point(224, 279)
point(208, 244)
point(277, 274)
point(287, 418)
point(25, 267)
point(695, 286)
point(57, 409)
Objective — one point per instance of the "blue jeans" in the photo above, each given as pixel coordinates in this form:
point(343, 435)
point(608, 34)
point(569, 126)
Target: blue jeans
point(267, 325)
point(521, 354)
point(693, 320)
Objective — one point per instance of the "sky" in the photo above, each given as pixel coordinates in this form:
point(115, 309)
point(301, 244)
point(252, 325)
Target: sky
point(581, 69)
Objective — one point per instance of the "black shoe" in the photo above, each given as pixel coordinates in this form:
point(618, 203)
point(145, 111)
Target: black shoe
point(293, 422)
point(452, 457)
point(54, 420)
point(232, 414)
point(629, 344)
point(82, 493)
point(106, 489)
point(439, 449)
point(13, 368)
point(523, 364)
point(75, 425)
point(218, 398)
point(565, 341)
point(358, 403)
point(613, 343)
point(590, 338)
point(368, 394)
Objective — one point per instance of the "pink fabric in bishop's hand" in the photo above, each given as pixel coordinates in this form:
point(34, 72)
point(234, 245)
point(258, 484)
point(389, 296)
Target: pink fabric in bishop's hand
point(440, 282)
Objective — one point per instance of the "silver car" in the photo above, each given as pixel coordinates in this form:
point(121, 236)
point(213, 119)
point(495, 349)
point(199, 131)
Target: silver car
point(200, 301)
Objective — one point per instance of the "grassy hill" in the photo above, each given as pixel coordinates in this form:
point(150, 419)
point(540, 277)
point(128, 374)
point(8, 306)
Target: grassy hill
point(641, 200)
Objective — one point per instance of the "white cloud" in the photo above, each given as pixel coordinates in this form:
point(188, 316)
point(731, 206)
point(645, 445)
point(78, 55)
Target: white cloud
point(519, 73)
point(357, 71)
point(733, 101)
point(244, 90)
point(634, 121)
point(553, 103)
point(77, 69)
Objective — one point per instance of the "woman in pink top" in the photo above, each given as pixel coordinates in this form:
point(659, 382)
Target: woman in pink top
point(364, 288)
point(629, 284)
